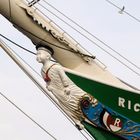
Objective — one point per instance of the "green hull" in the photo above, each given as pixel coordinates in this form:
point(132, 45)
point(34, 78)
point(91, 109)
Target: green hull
point(100, 134)
point(122, 101)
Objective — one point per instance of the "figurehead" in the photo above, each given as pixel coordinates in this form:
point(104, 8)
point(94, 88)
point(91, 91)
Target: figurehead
point(44, 53)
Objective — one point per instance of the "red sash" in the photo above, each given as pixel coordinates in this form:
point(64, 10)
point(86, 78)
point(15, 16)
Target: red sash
point(47, 78)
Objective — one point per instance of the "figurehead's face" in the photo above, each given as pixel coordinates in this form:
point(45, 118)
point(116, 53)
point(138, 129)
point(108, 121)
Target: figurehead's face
point(42, 56)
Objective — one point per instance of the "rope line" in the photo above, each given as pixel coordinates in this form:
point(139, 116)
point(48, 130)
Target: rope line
point(33, 2)
point(25, 62)
point(17, 44)
point(42, 128)
point(21, 47)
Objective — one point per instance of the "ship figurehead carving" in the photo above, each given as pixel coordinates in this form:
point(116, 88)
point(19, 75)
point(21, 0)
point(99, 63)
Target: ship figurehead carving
point(78, 104)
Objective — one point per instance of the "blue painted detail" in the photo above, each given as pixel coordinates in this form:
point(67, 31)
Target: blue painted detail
point(105, 118)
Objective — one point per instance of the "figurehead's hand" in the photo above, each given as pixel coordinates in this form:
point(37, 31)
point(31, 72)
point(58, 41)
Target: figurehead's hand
point(49, 87)
point(67, 90)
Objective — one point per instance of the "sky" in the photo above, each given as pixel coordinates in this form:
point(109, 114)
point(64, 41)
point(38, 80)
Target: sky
point(119, 31)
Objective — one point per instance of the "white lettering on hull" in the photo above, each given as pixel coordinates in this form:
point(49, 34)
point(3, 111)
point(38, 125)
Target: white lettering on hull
point(128, 104)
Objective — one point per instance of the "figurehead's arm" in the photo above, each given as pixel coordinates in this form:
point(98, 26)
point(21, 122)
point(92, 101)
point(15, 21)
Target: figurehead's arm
point(64, 80)
point(63, 77)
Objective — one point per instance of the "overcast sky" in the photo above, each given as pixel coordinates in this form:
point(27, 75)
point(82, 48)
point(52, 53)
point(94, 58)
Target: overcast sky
point(119, 31)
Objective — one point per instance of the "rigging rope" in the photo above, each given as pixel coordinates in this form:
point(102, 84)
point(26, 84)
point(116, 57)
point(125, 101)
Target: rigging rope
point(25, 62)
point(33, 2)
point(18, 108)
point(86, 32)
point(27, 50)
point(17, 44)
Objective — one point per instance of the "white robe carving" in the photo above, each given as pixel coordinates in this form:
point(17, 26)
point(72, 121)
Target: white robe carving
point(67, 93)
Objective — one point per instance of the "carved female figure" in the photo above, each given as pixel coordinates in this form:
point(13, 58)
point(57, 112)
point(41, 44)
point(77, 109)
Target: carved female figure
point(65, 91)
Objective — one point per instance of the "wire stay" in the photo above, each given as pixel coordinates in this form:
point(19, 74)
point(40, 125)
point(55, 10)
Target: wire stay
point(18, 108)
